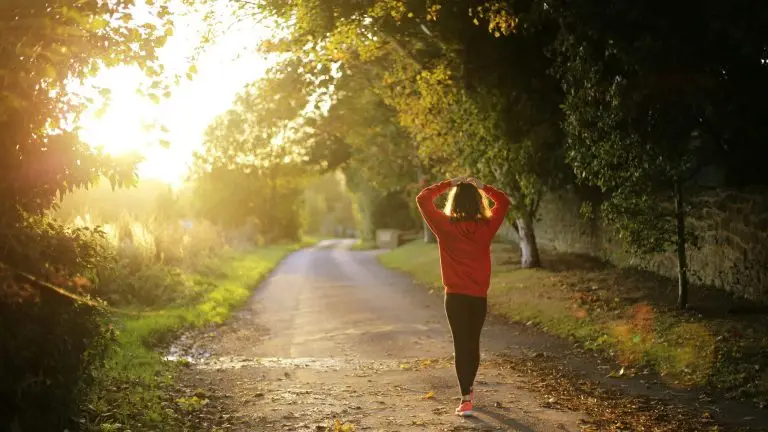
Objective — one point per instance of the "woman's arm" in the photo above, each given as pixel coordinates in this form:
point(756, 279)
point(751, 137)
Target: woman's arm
point(500, 200)
point(426, 203)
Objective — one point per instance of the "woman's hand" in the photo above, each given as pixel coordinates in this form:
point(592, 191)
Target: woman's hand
point(475, 182)
point(457, 180)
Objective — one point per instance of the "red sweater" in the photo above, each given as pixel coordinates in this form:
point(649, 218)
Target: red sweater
point(465, 246)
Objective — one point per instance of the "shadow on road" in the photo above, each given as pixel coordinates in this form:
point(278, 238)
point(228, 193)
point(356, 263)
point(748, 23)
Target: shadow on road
point(500, 418)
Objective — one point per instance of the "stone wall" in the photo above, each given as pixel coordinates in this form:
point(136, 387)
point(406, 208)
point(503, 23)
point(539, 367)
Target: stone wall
point(733, 244)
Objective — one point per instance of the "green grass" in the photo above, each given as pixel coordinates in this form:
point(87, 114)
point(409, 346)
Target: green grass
point(364, 245)
point(617, 312)
point(132, 388)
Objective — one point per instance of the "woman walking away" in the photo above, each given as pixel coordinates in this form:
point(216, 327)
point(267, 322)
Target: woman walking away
point(464, 232)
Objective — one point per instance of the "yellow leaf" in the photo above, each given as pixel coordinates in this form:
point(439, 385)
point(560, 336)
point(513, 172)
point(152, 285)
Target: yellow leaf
point(429, 395)
point(192, 69)
point(50, 72)
point(99, 23)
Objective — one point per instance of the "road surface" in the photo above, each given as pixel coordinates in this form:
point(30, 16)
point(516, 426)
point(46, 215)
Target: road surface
point(332, 335)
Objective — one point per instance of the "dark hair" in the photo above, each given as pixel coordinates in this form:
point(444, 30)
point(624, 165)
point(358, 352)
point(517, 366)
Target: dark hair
point(466, 203)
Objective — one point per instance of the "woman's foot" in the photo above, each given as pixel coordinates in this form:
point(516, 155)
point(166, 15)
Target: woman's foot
point(465, 409)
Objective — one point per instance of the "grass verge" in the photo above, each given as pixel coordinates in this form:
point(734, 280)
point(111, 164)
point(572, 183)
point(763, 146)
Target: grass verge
point(624, 313)
point(364, 245)
point(134, 388)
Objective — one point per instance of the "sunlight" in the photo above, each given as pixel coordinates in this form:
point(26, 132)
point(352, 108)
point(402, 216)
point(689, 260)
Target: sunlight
point(224, 67)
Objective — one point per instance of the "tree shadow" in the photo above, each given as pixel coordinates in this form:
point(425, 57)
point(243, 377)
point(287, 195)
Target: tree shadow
point(500, 418)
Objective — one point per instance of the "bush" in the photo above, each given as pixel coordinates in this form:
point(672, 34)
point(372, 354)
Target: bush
point(52, 346)
point(49, 343)
point(48, 353)
point(148, 262)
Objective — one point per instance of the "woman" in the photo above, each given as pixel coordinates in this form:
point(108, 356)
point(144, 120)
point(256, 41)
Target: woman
point(464, 232)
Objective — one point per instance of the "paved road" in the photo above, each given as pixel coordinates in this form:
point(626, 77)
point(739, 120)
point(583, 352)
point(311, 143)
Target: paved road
point(332, 335)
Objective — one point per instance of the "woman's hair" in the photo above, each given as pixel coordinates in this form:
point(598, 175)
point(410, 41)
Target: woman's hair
point(466, 203)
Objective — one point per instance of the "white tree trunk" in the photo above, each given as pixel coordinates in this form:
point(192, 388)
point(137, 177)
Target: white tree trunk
point(529, 249)
point(429, 236)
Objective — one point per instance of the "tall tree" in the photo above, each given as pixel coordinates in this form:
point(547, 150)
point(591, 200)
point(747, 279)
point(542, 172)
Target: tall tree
point(655, 92)
point(250, 169)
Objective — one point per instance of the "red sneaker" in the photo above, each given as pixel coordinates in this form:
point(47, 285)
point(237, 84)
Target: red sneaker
point(465, 409)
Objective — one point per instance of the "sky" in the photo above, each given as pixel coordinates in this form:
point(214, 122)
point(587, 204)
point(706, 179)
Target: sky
point(224, 68)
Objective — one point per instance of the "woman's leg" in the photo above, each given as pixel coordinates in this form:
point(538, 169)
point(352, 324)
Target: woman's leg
point(476, 319)
point(456, 311)
point(466, 315)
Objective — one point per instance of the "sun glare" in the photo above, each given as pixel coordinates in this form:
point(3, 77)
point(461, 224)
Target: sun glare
point(224, 67)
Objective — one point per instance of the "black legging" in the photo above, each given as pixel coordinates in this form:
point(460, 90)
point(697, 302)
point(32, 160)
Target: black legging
point(466, 315)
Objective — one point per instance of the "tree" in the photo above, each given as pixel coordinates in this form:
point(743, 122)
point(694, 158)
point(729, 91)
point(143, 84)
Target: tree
point(46, 45)
point(654, 93)
point(381, 158)
point(470, 101)
point(329, 205)
point(250, 171)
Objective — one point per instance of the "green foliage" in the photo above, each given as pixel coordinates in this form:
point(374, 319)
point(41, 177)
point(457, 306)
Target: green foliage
point(455, 96)
point(100, 203)
point(648, 107)
point(393, 211)
point(48, 344)
point(249, 172)
point(46, 45)
point(47, 367)
point(328, 205)
point(51, 345)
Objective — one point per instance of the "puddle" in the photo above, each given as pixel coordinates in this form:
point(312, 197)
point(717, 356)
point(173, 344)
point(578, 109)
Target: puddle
point(326, 364)
point(186, 349)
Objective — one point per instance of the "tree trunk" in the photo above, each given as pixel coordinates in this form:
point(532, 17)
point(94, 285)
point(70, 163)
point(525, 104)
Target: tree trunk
point(682, 262)
point(366, 222)
point(529, 250)
point(429, 236)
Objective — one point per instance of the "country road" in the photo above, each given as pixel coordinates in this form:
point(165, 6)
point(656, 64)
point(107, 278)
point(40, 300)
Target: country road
point(332, 335)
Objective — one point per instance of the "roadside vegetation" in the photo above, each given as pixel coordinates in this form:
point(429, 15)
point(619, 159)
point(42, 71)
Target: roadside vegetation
point(136, 386)
point(624, 314)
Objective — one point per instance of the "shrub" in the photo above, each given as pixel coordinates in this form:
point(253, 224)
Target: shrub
point(49, 343)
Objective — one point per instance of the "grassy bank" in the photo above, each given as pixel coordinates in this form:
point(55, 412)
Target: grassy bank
point(364, 245)
point(624, 313)
point(134, 389)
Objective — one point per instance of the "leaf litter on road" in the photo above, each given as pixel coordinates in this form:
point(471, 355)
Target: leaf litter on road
point(607, 409)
